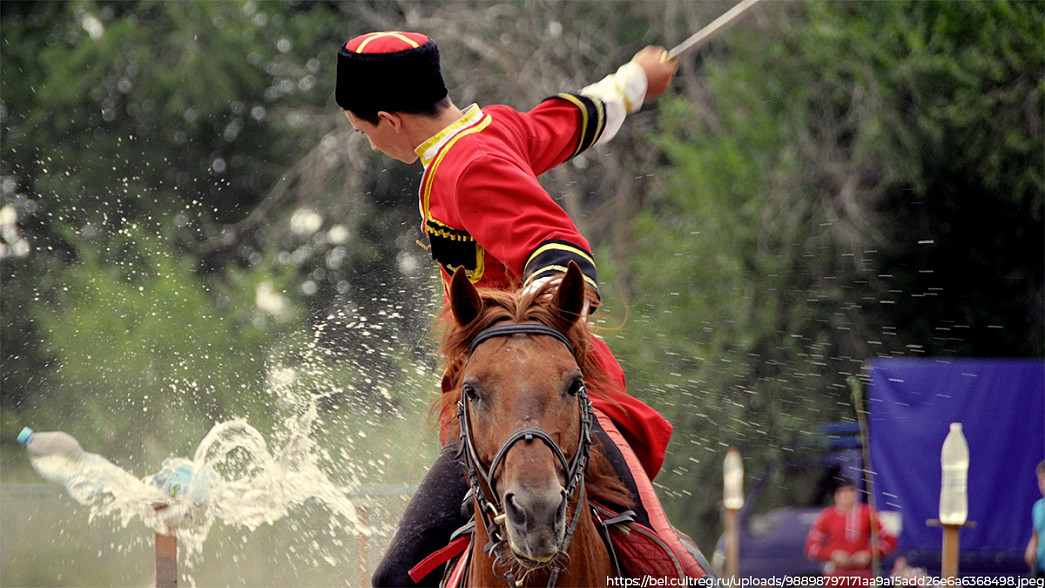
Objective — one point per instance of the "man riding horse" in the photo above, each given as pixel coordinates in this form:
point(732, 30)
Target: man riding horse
point(485, 213)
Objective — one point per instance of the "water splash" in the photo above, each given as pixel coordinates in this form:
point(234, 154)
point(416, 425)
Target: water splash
point(253, 486)
point(237, 479)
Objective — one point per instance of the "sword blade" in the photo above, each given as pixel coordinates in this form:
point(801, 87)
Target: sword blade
point(718, 25)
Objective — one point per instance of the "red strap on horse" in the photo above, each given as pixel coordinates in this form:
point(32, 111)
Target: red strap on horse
point(658, 520)
point(429, 564)
point(455, 579)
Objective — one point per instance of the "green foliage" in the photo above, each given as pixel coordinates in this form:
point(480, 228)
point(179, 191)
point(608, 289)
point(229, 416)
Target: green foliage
point(175, 116)
point(90, 91)
point(864, 182)
point(134, 324)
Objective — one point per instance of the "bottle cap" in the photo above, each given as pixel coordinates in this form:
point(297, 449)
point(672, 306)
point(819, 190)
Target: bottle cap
point(25, 435)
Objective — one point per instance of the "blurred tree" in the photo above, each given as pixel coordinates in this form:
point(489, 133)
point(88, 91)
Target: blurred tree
point(172, 116)
point(861, 179)
point(138, 336)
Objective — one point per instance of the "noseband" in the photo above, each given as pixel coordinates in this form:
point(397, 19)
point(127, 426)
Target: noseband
point(489, 506)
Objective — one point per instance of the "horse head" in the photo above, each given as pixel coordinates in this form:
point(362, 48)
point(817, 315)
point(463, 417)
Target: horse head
point(525, 415)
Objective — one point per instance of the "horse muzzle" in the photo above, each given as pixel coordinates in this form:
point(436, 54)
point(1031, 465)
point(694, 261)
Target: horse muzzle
point(535, 522)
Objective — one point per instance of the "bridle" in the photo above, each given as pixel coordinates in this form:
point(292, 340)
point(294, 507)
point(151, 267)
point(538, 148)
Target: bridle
point(489, 506)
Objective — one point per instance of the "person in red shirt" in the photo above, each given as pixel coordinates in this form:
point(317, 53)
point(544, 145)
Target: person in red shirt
point(841, 535)
point(484, 211)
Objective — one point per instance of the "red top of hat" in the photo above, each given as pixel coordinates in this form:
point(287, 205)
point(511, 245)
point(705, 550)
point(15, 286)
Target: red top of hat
point(386, 42)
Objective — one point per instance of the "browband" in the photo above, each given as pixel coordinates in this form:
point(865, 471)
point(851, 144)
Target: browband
point(518, 329)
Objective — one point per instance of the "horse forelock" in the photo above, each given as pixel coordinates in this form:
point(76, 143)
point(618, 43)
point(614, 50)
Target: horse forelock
point(499, 307)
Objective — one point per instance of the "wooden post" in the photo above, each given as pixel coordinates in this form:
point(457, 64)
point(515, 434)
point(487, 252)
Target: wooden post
point(166, 561)
point(949, 559)
point(868, 473)
point(951, 551)
point(732, 544)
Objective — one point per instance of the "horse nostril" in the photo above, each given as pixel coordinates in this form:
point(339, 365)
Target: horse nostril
point(515, 513)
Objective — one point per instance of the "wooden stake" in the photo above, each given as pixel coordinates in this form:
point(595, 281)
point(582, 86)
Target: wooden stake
point(867, 472)
point(732, 544)
point(166, 561)
point(950, 549)
point(949, 560)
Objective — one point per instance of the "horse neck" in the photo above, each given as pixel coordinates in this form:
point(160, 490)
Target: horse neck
point(590, 564)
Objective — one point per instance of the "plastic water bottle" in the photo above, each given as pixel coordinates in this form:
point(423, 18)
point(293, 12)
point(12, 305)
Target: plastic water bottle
point(174, 477)
point(177, 479)
point(733, 480)
point(185, 493)
point(58, 457)
point(954, 459)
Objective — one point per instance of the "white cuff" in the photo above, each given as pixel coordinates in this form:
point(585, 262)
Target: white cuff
point(622, 93)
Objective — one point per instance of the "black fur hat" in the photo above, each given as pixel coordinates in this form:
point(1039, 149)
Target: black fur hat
point(390, 71)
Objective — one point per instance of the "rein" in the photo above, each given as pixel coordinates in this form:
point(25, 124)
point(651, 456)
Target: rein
point(489, 506)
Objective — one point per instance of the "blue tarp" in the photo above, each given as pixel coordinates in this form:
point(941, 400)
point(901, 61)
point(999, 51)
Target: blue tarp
point(1001, 405)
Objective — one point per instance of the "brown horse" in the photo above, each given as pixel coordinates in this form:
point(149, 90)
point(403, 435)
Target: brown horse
point(516, 366)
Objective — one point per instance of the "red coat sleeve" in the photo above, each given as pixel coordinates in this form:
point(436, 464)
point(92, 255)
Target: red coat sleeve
point(817, 538)
point(509, 213)
point(559, 128)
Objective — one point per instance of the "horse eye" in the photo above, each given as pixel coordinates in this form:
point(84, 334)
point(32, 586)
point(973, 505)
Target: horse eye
point(469, 391)
point(576, 386)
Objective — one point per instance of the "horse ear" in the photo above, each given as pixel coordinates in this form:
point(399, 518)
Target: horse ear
point(464, 298)
point(569, 298)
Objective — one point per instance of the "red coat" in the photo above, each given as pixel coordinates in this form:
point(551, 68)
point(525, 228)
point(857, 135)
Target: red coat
point(847, 531)
point(484, 210)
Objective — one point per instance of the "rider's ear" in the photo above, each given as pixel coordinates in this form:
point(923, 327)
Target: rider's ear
point(464, 299)
point(569, 298)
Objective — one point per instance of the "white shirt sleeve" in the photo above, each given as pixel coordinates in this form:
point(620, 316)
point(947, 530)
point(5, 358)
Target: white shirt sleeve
point(622, 92)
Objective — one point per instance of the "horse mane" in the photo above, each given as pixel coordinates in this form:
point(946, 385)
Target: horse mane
point(524, 306)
